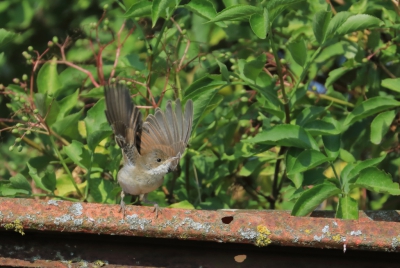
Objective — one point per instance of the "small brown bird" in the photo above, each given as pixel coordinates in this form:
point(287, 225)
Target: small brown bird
point(151, 148)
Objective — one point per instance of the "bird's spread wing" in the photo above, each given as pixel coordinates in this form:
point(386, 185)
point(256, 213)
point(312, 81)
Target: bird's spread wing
point(124, 117)
point(169, 131)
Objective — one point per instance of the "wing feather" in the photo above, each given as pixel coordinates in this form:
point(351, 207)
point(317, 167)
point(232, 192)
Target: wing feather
point(124, 117)
point(169, 130)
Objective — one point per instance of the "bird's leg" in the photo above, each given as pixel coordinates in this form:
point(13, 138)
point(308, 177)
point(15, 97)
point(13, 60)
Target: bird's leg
point(157, 208)
point(122, 204)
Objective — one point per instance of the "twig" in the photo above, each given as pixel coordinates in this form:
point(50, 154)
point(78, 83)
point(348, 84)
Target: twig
point(64, 165)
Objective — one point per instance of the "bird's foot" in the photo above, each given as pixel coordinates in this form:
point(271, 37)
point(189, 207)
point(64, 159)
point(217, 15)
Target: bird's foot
point(157, 209)
point(122, 204)
point(122, 208)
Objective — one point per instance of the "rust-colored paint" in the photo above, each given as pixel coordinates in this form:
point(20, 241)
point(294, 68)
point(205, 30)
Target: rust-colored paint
point(374, 231)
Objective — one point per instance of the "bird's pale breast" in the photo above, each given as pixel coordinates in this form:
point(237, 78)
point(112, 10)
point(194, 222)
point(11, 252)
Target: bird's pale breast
point(135, 183)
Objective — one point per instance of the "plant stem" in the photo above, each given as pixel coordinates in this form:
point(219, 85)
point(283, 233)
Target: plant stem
point(64, 165)
point(178, 91)
point(334, 172)
point(281, 82)
point(305, 69)
point(336, 100)
point(88, 175)
point(160, 35)
point(57, 196)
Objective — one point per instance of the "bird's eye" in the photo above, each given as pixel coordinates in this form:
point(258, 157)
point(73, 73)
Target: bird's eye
point(158, 160)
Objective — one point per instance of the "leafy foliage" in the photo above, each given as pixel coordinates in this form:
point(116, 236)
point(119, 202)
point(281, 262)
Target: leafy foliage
point(295, 102)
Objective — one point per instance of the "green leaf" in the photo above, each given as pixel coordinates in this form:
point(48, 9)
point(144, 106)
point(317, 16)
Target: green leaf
point(6, 36)
point(337, 73)
point(259, 23)
point(47, 79)
point(139, 9)
point(203, 85)
point(347, 208)
point(160, 8)
point(67, 104)
point(66, 188)
point(236, 12)
point(49, 180)
point(250, 167)
point(285, 135)
point(290, 159)
point(377, 181)
point(97, 93)
point(40, 103)
point(309, 114)
point(70, 121)
point(361, 166)
point(298, 50)
point(329, 52)
point(223, 70)
point(204, 105)
point(320, 25)
point(344, 177)
point(359, 7)
point(332, 145)
point(275, 7)
point(249, 71)
point(203, 92)
point(97, 127)
point(269, 99)
point(308, 159)
point(336, 22)
point(313, 197)
point(204, 9)
point(392, 84)
point(36, 178)
point(78, 154)
point(380, 125)
point(73, 78)
point(7, 190)
point(52, 104)
point(322, 127)
point(359, 22)
point(183, 205)
point(369, 107)
point(20, 182)
point(100, 190)
point(346, 156)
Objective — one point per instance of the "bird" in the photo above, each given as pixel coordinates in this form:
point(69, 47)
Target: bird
point(150, 148)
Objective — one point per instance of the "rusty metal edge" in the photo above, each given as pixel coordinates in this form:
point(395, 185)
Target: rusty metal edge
point(374, 231)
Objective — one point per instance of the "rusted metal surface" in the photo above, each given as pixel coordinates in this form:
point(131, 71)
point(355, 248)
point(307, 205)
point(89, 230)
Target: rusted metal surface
point(378, 230)
point(261, 230)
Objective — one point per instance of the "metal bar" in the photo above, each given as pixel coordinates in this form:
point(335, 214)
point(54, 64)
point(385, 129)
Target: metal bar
point(374, 231)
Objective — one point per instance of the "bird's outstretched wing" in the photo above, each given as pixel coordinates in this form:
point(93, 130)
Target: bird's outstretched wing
point(169, 131)
point(124, 117)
